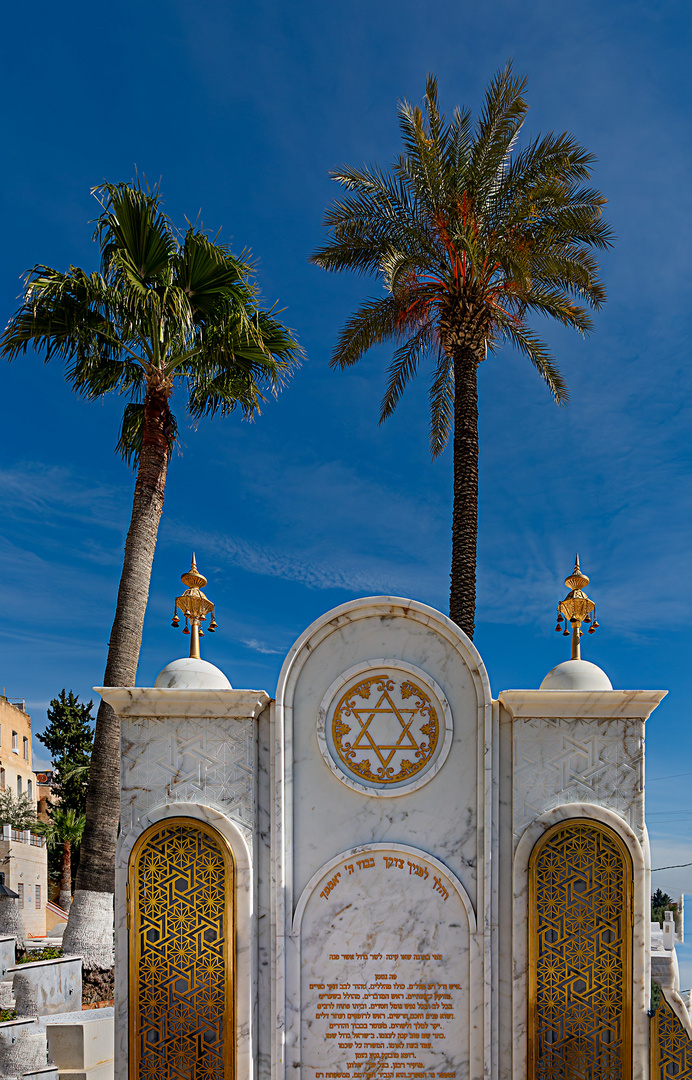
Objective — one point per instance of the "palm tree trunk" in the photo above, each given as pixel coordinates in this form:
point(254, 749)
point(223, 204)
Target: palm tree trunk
point(89, 931)
point(65, 897)
point(462, 594)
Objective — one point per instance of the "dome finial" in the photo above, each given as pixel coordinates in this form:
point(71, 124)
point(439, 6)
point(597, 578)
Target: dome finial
point(195, 606)
point(576, 608)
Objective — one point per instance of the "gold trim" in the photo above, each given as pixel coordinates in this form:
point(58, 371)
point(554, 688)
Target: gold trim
point(351, 742)
point(229, 935)
point(670, 1048)
point(626, 916)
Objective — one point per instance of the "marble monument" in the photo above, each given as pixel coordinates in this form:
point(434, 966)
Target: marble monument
point(384, 871)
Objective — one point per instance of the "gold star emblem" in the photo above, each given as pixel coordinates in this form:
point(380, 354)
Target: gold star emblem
point(398, 729)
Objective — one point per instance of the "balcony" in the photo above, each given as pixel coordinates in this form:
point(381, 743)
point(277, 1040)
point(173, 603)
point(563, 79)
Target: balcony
point(21, 836)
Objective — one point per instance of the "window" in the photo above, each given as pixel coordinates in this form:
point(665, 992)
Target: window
point(38, 897)
point(15, 742)
point(2, 779)
point(19, 786)
point(25, 747)
point(29, 788)
point(28, 895)
point(20, 890)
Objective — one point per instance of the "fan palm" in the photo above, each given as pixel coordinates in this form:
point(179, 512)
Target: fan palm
point(66, 828)
point(469, 234)
point(165, 310)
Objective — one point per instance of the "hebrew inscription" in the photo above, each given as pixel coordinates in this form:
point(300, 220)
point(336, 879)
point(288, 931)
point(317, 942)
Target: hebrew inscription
point(385, 972)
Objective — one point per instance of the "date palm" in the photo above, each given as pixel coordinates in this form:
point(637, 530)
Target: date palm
point(166, 311)
point(469, 235)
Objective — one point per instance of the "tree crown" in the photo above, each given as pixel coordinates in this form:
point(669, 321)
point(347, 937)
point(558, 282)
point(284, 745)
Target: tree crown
point(165, 308)
point(69, 738)
point(17, 811)
point(469, 234)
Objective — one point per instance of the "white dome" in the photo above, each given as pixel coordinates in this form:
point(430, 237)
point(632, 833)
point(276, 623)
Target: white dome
point(576, 675)
point(191, 674)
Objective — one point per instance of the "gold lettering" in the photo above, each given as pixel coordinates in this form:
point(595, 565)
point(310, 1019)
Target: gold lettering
point(399, 1016)
point(439, 887)
point(330, 885)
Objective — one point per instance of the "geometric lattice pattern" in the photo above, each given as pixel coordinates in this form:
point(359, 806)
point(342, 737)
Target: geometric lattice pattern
point(181, 988)
point(201, 760)
point(671, 1049)
point(580, 955)
point(384, 729)
point(567, 761)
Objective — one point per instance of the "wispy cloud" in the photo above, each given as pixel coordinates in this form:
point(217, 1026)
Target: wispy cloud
point(54, 493)
point(350, 574)
point(261, 647)
point(328, 525)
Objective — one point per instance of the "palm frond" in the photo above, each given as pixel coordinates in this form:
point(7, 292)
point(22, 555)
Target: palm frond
point(532, 347)
point(135, 236)
point(209, 273)
point(373, 323)
point(160, 310)
point(236, 368)
point(498, 127)
point(404, 366)
point(441, 398)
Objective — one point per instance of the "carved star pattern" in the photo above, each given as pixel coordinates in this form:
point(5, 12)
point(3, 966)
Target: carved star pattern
point(575, 761)
point(206, 760)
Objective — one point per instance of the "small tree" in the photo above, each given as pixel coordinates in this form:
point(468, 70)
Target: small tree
point(19, 812)
point(65, 829)
point(69, 739)
point(660, 903)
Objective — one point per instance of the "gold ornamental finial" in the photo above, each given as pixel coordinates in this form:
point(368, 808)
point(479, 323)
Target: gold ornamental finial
point(195, 606)
point(575, 609)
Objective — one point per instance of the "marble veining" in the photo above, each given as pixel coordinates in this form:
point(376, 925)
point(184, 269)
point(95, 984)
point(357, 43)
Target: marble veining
point(446, 818)
point(378, 930)
point(188, 760)
point(576, 761)
point(340, 883)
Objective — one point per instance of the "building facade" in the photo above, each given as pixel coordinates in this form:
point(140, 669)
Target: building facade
point(23, 857)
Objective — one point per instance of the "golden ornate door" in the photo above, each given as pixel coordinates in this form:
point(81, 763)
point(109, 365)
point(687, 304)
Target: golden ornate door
point(181, 959)
point(580, 954)
point(669, 1045)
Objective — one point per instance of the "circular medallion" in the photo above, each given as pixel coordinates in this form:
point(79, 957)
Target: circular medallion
point(384, 727)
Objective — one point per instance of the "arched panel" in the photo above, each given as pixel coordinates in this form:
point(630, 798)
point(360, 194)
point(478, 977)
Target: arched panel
point(670, 1045)
point(181, 953)
point(580, 954)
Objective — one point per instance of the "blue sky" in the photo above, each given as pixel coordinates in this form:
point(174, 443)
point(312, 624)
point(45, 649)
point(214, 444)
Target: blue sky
point(241, 110)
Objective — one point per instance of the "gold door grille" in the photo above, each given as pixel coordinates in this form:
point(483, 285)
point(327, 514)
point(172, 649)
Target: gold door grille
point(182, 938)
point(671, 1049)
point(580, 948)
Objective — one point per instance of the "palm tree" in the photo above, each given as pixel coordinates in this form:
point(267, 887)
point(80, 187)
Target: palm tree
point(65, 828)
point(468, 234)
point(165, 310)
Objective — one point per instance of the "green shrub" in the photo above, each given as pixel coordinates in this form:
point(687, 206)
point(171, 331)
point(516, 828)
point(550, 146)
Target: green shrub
point(51, 952)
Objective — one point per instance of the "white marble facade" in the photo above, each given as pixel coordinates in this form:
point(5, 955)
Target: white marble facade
point(381, 811)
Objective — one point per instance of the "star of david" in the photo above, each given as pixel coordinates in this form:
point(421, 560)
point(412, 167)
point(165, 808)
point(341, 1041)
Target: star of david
point(365, 738)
